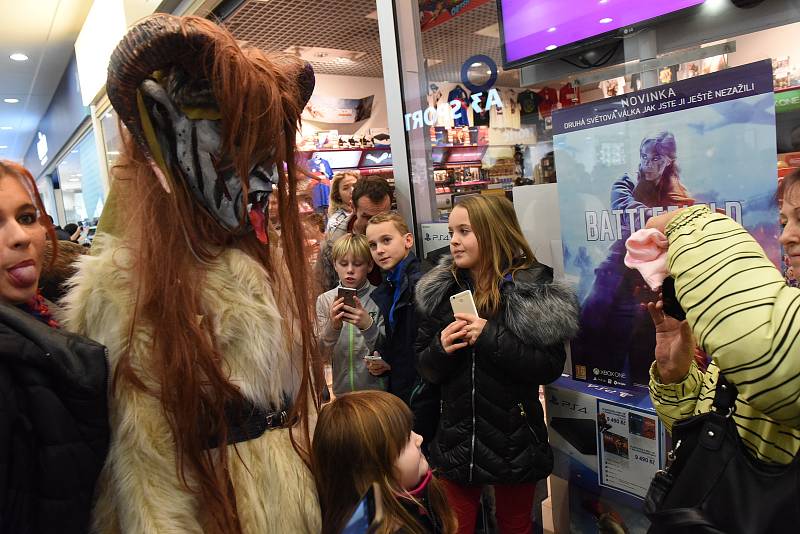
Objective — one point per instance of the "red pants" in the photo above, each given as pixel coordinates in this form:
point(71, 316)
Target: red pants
point(513, 506)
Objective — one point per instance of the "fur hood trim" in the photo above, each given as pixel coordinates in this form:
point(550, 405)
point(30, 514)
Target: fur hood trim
point(536, 309)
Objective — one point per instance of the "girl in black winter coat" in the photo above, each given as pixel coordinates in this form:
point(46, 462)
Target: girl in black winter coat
point(491, 430)
point(53, 412)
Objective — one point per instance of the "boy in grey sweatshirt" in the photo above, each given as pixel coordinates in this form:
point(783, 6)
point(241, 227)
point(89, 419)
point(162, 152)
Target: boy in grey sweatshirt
point(349, 333)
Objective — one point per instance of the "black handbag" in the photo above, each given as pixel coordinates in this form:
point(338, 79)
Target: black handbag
point(713, 484)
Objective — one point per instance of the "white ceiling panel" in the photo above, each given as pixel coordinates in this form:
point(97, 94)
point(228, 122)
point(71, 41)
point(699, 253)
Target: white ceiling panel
point(45, 30)
point(277, 25)
point(352, 25)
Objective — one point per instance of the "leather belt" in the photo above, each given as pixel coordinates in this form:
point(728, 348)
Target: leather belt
point(247, 421)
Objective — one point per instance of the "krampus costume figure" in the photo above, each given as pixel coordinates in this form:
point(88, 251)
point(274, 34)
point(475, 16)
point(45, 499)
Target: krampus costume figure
point(208, 328)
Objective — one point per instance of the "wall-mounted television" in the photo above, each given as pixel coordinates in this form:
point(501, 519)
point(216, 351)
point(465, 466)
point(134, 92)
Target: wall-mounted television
point(534, 30)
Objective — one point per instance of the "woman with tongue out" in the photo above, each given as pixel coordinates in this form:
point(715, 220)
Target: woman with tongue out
point(53, 414)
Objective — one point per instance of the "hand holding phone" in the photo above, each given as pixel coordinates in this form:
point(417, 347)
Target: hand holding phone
point(466, 315)
point(352, 311)
point(463, 303)
point(375, 364)
point(349, 296)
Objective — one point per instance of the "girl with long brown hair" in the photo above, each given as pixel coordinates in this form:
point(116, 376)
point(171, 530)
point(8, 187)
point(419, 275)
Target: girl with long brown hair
point(491, 430)
point(209, 328)
point(365, 438)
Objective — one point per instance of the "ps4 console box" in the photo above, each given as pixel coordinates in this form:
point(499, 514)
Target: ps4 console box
point(607, 444)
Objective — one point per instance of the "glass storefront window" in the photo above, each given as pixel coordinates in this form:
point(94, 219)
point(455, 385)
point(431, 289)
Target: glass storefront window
point(112, 142)
point(46, 192)
point(81, 185)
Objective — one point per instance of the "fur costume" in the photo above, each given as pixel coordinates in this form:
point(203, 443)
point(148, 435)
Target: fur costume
point(180, 288)
point(140, 490)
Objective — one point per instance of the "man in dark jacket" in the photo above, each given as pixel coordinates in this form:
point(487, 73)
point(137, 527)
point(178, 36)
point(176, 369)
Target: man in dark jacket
point(54, 430)
point(390, 243)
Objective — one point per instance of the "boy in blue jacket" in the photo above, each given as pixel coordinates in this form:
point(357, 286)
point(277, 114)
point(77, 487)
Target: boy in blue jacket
point(391, 244)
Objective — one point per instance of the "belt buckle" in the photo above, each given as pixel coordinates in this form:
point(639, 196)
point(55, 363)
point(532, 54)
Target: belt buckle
point(276, 419)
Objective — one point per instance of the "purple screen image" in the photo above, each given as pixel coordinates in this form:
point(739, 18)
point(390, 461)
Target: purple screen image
point(532, 27)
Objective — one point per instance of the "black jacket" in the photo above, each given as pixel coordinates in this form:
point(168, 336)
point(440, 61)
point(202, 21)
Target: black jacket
point(491, 428)
point(422, 511)
point(54, 430)
point(397, 345)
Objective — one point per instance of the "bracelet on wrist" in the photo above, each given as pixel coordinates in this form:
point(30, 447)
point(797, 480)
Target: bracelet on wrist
point(371, 322)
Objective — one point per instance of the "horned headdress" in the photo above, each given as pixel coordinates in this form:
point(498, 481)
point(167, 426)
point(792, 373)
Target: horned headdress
point(205, 111)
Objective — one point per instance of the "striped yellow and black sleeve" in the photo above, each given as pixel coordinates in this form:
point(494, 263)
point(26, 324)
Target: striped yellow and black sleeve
point(740, 309)
point(677, 401)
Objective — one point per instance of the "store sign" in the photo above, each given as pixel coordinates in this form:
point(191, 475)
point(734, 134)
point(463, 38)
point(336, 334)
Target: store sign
point(435, 12)
point(41, 147)
point(454, 108)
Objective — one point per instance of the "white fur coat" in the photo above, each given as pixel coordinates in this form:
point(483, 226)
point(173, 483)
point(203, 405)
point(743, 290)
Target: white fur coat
point(139, 491)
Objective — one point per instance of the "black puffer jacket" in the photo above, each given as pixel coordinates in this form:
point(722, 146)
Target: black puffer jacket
point(53, 426)
point(491, 429)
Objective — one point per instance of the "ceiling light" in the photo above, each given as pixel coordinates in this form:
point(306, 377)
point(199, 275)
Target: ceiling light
point(550, 47)
point(6, 127)
point(603, 2)
point(551, 29)
point(605, 20)
point(325, 55)
point(3, 146)
point(73, 179)
point(18, 56)
point(11, 100)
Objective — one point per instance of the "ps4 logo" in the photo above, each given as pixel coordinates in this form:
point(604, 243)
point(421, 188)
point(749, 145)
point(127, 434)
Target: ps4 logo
point(572, 406)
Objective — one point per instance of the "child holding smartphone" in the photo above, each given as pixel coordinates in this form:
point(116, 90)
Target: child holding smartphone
point(348, 319)
point(390, 243)
point(372, 430)
point(489, 364)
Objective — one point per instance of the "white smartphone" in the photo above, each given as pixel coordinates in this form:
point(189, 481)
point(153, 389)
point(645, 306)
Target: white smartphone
point(463, 303)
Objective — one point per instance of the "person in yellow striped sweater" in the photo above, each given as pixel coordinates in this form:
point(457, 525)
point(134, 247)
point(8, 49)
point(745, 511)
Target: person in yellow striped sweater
point(741, 312)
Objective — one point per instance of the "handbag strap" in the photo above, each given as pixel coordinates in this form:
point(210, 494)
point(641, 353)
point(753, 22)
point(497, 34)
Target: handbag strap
point(669, 520)
point(725, 398)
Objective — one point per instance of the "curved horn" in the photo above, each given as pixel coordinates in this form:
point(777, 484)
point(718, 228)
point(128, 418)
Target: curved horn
point(157, 42)
point(306, 81)
point(161, 41)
